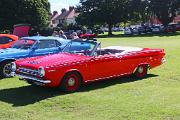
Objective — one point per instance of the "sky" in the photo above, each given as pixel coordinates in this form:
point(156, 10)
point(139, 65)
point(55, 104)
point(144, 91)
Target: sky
point(59, 4)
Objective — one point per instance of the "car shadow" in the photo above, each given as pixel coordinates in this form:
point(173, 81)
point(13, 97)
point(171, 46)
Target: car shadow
point(109, 82)
point(26, 95)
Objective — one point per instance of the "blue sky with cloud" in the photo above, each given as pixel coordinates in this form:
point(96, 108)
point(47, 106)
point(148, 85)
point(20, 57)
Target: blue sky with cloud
point(59, 4)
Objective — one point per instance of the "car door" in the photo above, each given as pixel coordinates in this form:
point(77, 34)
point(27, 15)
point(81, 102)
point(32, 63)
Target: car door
point(127, 63)
point(111, 65)
point(45, 47)
point(103, 66)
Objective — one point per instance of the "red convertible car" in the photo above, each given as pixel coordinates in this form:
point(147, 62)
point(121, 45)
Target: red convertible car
point(6, 40)
point(76, 66)
point(87, 35)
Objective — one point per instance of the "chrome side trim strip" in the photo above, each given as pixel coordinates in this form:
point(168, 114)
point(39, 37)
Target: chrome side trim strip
point(114, 76)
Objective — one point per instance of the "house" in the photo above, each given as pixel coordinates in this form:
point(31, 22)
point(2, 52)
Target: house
point(53, 20)
point(66, 17)
point(154, 20)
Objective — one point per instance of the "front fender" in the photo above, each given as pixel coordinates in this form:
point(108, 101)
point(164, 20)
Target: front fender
point(7, 59)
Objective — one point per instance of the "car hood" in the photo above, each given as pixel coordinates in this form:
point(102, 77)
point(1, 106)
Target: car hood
point(53, 60)
point(11, 52)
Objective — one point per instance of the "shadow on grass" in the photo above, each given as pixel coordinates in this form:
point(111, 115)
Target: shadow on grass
point(142, 35)
point(31, 94)
point(109, 82)
point(1, 78)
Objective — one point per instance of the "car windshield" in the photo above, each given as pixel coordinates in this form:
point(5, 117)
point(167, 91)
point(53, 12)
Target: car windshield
point(5, 40)
point(24, 44)
point(80, 47)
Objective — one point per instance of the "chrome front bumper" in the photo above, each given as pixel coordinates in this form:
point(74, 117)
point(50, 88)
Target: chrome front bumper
point(33, 80)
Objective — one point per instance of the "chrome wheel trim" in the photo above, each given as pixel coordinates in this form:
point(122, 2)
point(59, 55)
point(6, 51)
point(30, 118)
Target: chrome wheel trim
point(7, 70)
point(140, 69)
point(71, 82)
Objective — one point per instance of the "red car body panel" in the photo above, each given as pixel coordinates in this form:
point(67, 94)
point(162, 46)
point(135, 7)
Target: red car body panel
point(13, 38)
point(86, 35)
point(21, 30)
point(92, 68)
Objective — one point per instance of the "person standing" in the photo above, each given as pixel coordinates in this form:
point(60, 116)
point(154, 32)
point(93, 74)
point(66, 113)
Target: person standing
point(62, 35)
point(55, 34)
point(74, 36)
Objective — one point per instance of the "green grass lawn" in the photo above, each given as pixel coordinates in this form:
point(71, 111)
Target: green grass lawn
point(156, 97)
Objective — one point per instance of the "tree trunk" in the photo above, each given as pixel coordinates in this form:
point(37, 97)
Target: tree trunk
point(110, 29)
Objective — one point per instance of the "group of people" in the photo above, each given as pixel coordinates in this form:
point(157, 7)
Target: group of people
point(62, 35)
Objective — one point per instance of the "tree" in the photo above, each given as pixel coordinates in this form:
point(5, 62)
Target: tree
point(138, 11)
point(34, 12)
point(101, 11)
point(164, 10)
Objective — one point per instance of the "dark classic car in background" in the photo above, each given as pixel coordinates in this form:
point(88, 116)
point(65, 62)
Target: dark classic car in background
point(29, 47)
point(73, 67)
point(6, 40)
point(20, 30)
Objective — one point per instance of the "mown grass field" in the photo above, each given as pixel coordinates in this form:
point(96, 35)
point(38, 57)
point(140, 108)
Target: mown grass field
point(156, 97)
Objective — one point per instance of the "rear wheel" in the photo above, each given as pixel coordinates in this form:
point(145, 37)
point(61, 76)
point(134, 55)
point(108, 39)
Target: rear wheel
point(141, 71)
point(71, 82)
point(5, 69)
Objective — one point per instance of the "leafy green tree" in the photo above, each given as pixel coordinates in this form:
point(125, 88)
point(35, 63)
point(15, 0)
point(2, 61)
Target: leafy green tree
point(137, 11)
point(164, 10)
point(110, 12)
point(34, 12)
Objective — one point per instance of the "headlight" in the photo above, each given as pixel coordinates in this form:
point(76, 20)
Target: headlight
point(13, 67)
point(41, 71)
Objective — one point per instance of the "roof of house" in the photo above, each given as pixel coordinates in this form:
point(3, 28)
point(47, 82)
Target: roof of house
point(54, 16)
point(67, 14)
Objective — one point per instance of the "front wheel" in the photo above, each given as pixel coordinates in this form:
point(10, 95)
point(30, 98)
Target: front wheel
point(5, 69)
point(141, 71)
point(71, 82)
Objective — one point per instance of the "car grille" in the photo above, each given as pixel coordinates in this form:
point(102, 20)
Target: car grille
point(28, 71)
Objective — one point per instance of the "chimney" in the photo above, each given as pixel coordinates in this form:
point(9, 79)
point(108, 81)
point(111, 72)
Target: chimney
point(55, 12)
point(63, 10)
point(71, 8)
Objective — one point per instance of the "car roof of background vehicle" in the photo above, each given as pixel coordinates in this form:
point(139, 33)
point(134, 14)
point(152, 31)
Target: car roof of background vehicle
point(8, 35)
point(94, 41)
point(38, 38)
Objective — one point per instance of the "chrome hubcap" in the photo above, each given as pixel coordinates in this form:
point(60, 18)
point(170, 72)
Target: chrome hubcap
point(71, 82)
point(140, 70)
point(7, 70)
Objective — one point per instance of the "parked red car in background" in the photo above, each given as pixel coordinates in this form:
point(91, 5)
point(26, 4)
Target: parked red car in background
point(21, 30)
point(88, 35)
point(6, 40)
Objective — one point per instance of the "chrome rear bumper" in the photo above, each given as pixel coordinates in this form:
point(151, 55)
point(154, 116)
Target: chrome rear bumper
point(33, 80)
point(163, 60)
